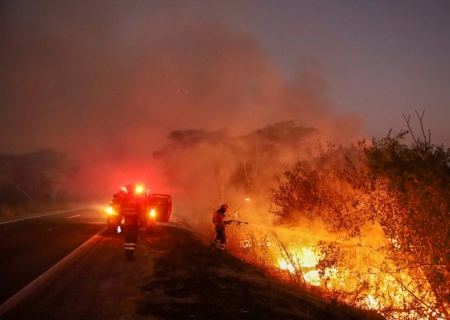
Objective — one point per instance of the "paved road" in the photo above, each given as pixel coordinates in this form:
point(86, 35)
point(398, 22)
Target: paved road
point(30, 247)
point(174, 275)
point(100, 283)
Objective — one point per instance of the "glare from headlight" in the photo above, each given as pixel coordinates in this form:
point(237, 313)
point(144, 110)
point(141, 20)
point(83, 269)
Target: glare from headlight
point(110, 210)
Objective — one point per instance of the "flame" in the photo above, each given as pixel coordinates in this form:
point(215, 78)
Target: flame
point(308, 258)
point(397, 291)
point(303, 258)
point(364, 278)
point(358, 272)
point(284, 265)
point(312, 277)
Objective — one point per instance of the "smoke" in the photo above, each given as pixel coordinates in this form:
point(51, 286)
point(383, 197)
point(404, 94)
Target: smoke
point(107, 81)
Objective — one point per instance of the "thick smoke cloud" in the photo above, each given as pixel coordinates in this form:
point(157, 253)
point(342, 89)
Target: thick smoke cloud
point(107, 81)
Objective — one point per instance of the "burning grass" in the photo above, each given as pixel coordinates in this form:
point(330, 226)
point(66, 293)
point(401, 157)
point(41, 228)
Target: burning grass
point(370, 222)
point(358, 273)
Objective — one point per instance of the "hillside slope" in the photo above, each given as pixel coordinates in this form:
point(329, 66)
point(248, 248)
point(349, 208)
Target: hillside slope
point(192, 281)
point(174, 276)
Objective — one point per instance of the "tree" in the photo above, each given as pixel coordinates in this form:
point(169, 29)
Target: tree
point(37, 174)
point(404, 189)
point(263, 153)
point(334, 187)
point(418, 222)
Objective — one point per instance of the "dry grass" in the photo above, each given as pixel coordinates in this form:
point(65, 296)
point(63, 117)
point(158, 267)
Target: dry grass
point(193, 281)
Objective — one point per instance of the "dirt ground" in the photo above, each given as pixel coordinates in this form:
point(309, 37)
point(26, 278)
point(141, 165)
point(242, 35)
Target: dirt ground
point(192, 281)
point(174, 275)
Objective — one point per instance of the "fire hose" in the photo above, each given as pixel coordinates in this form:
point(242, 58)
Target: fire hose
point(229, 222)
point(237, 221)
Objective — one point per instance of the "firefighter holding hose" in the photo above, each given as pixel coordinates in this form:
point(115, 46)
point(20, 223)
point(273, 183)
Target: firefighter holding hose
point(219, 223)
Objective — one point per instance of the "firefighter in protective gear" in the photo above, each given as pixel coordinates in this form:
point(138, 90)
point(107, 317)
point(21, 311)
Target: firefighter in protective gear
point(113, 217)
point(117, 199)
point(131, 210)
point(219, 223)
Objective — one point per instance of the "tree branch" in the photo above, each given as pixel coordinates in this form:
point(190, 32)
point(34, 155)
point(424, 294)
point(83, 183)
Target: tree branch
point(409, 127)
point(421, 126)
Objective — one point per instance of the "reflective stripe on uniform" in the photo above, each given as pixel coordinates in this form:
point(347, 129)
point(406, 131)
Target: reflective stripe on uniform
point(130, 246)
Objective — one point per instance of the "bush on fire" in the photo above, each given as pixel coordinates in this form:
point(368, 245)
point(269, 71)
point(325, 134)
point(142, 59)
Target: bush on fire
point(404, 189)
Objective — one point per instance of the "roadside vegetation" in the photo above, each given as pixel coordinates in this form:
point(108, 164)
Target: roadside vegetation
point(35, 182)
point(365, 224)
point(192, 281)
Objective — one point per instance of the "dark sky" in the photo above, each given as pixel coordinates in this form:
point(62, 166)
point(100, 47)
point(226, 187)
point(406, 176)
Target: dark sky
point(380, 58)
point(110, 79)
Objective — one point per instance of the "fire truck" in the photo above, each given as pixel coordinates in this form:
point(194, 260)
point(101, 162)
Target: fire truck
point(158, 208)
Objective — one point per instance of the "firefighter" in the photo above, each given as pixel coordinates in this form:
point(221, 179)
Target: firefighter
point(113, 218)
point(219, 224)
point(131, 212)
point(117, 199)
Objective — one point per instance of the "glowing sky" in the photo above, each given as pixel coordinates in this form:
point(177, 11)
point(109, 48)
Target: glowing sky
point(75, 73)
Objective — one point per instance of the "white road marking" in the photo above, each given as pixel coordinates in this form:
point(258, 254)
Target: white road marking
point(44, 215)
point(74, 216)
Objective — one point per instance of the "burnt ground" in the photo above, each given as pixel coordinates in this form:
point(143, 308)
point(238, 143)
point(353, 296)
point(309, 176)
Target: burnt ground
point(192, 281)
point(174, 275)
